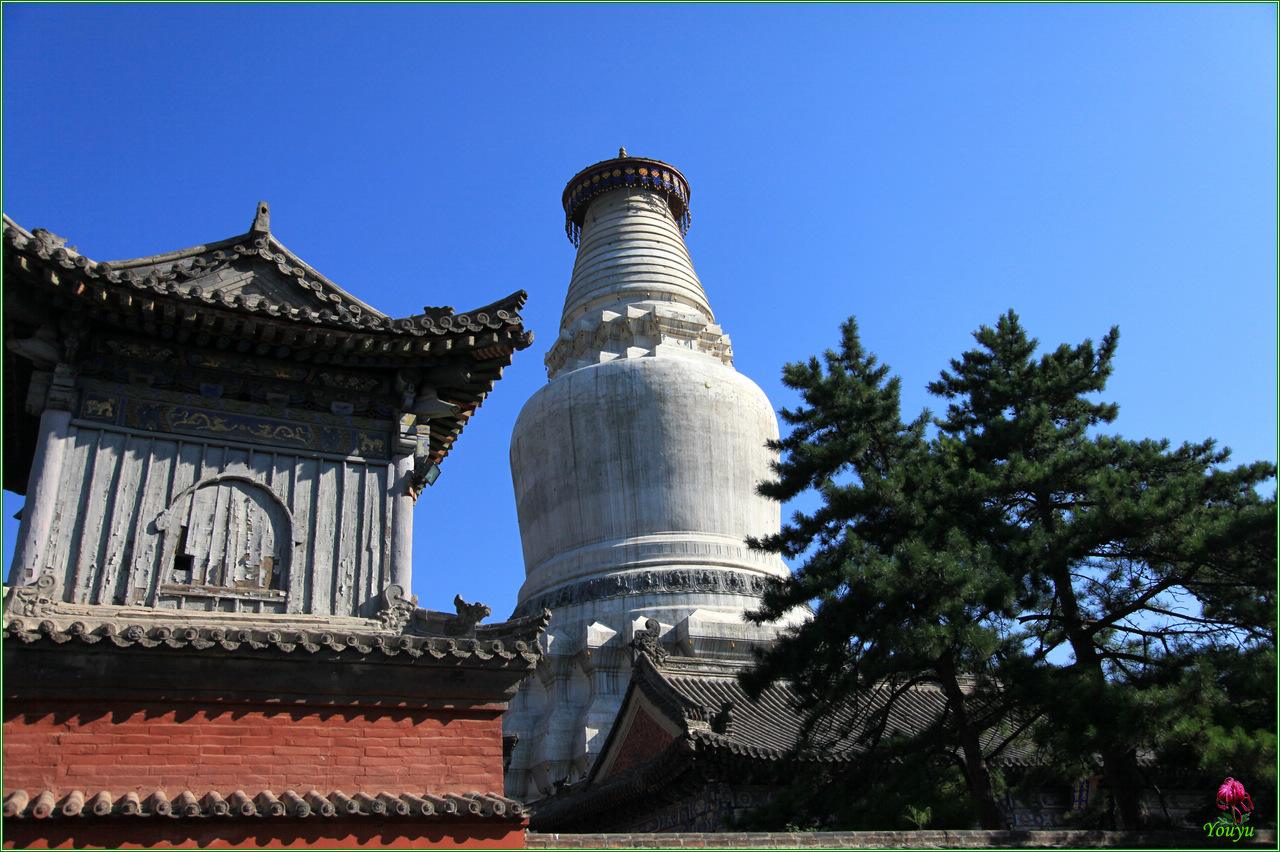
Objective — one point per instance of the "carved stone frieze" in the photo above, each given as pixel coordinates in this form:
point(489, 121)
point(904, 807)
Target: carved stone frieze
point(216, 423)
point(681, 581)
point(215, 419)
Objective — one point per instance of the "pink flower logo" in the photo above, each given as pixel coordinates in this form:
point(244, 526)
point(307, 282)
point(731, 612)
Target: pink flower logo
point(1232, 797)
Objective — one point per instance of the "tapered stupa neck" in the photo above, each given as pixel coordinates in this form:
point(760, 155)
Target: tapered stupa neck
point(634, 292)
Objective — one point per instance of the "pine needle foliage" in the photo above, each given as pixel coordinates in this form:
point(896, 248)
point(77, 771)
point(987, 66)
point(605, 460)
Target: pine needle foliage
point(1064, 588)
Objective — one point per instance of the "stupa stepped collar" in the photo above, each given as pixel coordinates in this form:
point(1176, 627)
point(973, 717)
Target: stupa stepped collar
point(617, 173)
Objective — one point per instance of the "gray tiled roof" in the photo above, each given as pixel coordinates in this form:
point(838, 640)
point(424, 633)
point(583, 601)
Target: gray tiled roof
point(400, 631)
point(251, 291)
point(728, 734)
point(719, 714)
point(722, 715)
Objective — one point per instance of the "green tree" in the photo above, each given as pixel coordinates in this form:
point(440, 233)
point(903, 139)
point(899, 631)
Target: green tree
point(1132, 555)
point(1074, 575)
point(903, 599)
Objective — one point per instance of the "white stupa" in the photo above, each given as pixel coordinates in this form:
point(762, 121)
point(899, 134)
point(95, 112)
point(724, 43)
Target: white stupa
point(635, 471)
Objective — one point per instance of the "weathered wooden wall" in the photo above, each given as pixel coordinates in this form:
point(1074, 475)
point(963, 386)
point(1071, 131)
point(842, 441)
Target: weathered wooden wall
point(124, 497)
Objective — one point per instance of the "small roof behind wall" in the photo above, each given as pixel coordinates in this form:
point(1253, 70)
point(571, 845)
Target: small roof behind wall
point(687, 721)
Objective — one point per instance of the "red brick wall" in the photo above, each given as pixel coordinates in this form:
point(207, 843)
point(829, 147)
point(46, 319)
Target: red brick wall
point(133, 746)
point(644, 739)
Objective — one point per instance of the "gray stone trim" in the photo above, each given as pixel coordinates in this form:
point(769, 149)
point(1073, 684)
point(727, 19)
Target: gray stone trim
point(32, 615)
point(637, 333)
point(675, 581)
point(426, 649)
point(690, 550)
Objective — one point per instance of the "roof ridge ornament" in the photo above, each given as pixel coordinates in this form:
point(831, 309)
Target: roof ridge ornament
point(469, 615)
point(723, 718)
point(261, 219)
point(648, 643)
point(461, 625)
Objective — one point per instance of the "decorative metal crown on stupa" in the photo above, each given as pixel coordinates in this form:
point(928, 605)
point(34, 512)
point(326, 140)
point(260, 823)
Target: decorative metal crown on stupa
point(618, 173)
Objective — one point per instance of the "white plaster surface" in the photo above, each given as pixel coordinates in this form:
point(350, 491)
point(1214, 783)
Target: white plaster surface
point(642, 461)
point(639, 459)
point(631, 250)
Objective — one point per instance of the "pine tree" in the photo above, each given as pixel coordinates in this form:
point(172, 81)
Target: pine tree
point(903, 600)
point(1128, 552)
point(1072, 574)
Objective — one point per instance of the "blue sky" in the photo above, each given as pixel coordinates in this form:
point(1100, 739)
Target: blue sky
point(921, 167)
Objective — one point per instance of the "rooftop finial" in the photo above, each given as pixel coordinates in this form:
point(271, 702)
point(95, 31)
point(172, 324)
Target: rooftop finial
point(261, 219)
point(622, 152)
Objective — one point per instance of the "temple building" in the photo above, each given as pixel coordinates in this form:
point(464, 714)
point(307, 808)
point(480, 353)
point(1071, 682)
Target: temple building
point(209, 635)
point(635, 469)
point(692, 751)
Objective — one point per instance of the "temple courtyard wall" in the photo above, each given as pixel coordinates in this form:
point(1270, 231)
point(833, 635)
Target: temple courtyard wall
point(119, 745)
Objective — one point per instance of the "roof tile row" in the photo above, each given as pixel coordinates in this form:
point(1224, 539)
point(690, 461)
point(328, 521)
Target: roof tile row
point(344, 312)
point(48, 804)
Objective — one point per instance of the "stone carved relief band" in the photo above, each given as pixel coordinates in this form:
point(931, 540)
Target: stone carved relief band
point(213, 423)
point(682, 581)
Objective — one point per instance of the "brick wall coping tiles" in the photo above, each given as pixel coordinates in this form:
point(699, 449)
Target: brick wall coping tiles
point(1045, 839)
